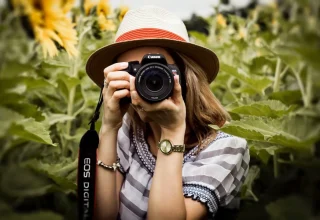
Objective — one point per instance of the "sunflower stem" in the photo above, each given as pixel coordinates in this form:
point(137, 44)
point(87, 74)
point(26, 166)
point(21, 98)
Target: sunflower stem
point(276, 84)
point(309, 90)
point(301, 86)
point(72, 92)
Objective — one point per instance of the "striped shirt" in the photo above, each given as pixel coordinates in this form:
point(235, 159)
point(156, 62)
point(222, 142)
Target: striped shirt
point(213, 176)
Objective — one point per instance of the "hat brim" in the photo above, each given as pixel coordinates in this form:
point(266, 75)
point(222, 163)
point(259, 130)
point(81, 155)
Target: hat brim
point(105, 56)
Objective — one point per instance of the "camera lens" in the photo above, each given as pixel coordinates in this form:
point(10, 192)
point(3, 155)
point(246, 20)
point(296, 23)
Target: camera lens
point(154, 81)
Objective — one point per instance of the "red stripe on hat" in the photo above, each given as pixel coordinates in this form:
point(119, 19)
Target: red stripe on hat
point(145, 33)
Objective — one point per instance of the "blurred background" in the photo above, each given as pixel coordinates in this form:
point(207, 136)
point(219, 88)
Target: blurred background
point(269, 81)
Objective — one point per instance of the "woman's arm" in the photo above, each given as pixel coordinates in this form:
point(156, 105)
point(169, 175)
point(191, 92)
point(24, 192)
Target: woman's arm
point(166, 199)
point(108, 183)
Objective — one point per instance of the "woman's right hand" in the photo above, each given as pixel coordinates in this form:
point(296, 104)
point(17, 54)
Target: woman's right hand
point(118, 87)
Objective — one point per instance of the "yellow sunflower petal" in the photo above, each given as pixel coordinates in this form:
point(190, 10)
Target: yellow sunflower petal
point(221, 20)
point(67, 5)
point(123, 10)
point(47, 44)
point(88, 5)
point(105, 24)
point(54, 36)
point(70, 48)
point(104, 7)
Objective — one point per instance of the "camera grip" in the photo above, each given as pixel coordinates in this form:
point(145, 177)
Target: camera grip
point(125, 100)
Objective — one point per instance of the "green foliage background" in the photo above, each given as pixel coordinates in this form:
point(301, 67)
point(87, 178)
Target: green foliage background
point(269, 82)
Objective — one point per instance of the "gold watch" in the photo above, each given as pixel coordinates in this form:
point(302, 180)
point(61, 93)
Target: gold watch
point(167, 147)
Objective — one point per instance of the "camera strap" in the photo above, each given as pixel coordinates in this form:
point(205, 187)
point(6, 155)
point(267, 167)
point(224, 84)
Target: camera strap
point(87, 167)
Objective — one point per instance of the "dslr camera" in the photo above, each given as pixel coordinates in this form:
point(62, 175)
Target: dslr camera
point(154, 77)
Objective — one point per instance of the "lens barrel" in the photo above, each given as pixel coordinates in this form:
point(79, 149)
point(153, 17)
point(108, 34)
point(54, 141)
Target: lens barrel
point(154, 82)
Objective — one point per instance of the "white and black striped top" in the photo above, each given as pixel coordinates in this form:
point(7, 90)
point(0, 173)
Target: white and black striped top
point(213, 177)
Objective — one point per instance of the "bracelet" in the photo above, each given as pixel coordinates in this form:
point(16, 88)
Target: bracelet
point(113, 167)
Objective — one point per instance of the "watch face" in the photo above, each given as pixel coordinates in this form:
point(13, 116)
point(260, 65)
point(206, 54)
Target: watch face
point(165, 146)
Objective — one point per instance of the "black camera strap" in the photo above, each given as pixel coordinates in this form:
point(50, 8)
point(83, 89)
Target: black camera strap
point(87, 167)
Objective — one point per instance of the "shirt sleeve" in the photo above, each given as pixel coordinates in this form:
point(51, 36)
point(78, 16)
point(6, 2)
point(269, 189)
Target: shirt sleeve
point(217, 173)
point(124, 153)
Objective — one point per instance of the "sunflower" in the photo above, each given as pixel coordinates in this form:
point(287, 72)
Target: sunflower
point(221, 21)
point(122, 11)
point(88, 5)
point(50, 24)
point(105, 24)
point(103, 11)
point(103, 7)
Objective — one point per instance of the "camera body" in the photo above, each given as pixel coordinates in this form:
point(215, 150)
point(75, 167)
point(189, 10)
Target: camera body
point(154, 77)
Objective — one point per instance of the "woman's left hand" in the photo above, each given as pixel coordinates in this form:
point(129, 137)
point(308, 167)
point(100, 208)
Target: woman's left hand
point(169, 114)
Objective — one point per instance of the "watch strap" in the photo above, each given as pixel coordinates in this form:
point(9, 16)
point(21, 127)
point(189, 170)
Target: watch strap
point(178, 148)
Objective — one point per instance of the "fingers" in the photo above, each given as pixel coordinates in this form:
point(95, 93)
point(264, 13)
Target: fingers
point(117, 85)
point(115, 67)
point(177, 93)
point(117, 82)
point(132, 84)
point(115, 98)
point(113, 72)
point(116, 75)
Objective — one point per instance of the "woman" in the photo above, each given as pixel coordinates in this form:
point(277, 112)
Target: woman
point(208, 167)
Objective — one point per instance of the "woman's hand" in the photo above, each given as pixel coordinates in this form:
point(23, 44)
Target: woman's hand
point(118, 87)
point(169, 114)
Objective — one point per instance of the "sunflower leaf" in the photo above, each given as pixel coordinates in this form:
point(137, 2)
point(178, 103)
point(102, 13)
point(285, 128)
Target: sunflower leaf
point(32, 130)
point(268, 108)
point(295, 132)
point(256, 83)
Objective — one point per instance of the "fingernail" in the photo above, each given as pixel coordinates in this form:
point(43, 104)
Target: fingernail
point(124, 64)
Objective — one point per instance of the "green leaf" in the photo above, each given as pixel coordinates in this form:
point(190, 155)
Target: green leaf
point(19, 182)
point(267, 108)
point(58, 118)
point(26, 109)
point(256, 83)
point(60, 61)
point(296, 132)
point(31, 130)
point(14, 68)
point(292, 207)
point(55, 172)
point(69, 81)
point(264, 150)
point(310, 112)
point(36, 83)
point(246, 190)
point(198, 36)
point(54, 102)
point(7, 117)
point(287, 97)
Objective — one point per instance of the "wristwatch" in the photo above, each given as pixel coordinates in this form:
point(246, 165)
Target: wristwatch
point(167, 147)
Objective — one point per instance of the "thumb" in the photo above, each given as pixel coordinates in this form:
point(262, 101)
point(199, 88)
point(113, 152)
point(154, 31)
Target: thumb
point(177, 96)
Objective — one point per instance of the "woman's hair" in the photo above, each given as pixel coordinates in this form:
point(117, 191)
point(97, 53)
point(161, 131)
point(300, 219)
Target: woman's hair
point(202, 107)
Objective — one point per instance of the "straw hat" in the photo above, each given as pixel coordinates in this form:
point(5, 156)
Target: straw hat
point(151, 26)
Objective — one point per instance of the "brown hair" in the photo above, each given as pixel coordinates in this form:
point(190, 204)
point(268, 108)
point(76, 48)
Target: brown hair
point(202, 107)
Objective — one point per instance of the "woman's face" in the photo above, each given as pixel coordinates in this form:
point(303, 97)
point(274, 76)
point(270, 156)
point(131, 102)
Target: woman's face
point(137, 54)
